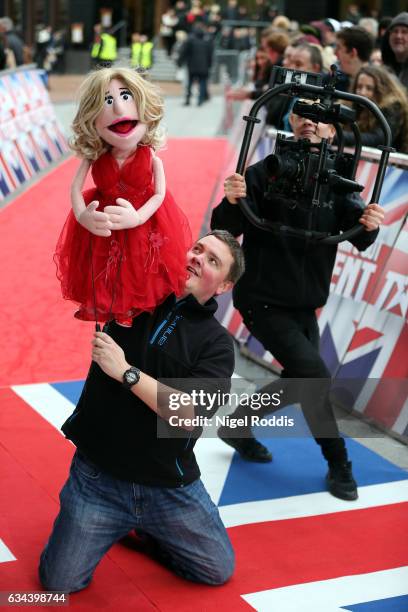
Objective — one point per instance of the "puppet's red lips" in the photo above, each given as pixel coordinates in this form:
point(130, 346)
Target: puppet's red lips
point(123, 127)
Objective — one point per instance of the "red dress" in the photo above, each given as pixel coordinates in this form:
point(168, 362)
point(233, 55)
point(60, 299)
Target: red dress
point(132, 270)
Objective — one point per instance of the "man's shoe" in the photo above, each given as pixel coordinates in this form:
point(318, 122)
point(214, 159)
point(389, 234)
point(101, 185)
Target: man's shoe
point(249, 448)
point(340, 481)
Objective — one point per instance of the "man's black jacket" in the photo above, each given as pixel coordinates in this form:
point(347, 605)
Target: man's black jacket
point(116, 430)
point(287, 271)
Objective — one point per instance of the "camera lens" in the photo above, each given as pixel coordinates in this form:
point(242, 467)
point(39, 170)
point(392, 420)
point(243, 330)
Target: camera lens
point(279, 166)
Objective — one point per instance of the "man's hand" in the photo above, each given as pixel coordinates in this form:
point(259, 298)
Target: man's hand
point(94, 221)
point(109, 356)
point(372, 217)
point(234, 187)
point(123, 216)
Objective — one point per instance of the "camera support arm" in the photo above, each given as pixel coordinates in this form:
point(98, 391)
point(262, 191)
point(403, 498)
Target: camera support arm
point(328, 92)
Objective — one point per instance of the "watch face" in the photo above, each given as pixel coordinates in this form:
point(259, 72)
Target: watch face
point(131, 377)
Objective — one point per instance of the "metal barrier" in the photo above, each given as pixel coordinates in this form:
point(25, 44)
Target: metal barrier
point(31, 137)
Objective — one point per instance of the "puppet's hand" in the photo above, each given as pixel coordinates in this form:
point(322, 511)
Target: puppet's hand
point(123, 216)
point(94, 221)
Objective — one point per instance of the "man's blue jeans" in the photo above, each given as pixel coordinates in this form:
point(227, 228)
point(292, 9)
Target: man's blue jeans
point(97, 510)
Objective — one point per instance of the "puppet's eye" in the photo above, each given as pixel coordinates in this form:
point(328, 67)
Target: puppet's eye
point(126, 95)
point(109, 100)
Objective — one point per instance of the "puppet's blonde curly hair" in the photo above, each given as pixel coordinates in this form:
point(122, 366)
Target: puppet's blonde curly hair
point(86, 141)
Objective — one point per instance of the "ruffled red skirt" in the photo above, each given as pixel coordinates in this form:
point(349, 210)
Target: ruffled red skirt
point(129, 272)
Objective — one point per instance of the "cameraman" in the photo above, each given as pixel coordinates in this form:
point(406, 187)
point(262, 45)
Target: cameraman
point(285, 280)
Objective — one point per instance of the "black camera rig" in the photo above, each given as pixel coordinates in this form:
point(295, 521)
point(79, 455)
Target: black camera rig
point(298, 170)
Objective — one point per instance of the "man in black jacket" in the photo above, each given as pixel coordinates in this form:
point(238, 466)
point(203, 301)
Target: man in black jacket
point(124, 476)
point(197, 54)
point(285, 280)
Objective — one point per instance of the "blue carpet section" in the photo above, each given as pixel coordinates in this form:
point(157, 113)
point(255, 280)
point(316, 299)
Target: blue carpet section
point(298, 468)
point(71, 390)
point(394, 604)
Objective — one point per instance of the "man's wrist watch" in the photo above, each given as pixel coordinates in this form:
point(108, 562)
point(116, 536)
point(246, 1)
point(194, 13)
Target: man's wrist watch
point(131, 377)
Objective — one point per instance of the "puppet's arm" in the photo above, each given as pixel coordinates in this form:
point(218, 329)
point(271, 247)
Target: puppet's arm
point(124, 215)
point(153, 204)
point(96, 222)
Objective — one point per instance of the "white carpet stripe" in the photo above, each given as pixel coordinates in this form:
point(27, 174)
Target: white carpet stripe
point(213, 465)
point(332, 595)
point(312, 504)
point(47, 401)
point(5, 553)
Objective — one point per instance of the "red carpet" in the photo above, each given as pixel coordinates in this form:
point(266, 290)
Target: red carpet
point(32, 475)
point(41, 340)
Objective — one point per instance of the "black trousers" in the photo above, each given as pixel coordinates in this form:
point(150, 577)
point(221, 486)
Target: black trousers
point(202, 83)
point(292, 336)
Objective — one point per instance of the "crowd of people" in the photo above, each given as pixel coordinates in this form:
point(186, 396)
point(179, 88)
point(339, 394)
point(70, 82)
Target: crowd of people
point(47, 52)
point(371, 58)
point(191, 31)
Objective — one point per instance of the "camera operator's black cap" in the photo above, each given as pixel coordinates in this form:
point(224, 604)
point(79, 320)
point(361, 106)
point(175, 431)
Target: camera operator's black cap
point(401, 19)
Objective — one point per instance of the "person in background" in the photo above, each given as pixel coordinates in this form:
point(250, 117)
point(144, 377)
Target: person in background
point(169, 21)
point(394, 47)
point(11, 40)
point(141, 52)
point(281, 22)
point(353, 13)
point(197, 54)
point(181, 73)
point(333, 26)
point(377, 84)
point(104, 48)
point(262, 68)
point(59, 51)
point(43, 43)
point(195, 15)
point(383, 25)
point(371, 25)
point(353, 49)
point(274, 46)
point(180, 9)
point(261, 11)
point(376, 58)
point(230, 13)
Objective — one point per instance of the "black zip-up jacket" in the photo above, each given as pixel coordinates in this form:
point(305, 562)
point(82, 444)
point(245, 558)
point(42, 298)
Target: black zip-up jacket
point(280, 270)
point(116, 430)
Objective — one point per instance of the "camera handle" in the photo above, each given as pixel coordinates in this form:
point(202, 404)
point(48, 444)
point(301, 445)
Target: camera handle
point(296, 89)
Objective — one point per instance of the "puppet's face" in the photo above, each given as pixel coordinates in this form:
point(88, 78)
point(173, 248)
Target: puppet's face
point(118, 122)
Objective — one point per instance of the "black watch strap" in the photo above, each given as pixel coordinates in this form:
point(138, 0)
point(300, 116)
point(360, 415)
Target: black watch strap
point(131, 377)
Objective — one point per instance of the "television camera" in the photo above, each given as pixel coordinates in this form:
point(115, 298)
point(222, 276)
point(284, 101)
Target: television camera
point(298, 171)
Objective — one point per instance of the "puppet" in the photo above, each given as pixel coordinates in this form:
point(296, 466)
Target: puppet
point(123, 247)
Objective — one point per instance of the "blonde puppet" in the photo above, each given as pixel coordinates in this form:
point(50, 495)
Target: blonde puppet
point(122, 249)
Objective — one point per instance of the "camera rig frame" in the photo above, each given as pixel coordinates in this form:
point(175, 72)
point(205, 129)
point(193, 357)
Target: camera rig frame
point(297, 83)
